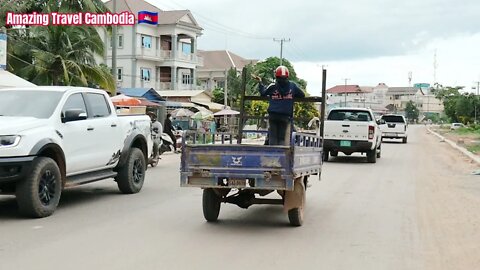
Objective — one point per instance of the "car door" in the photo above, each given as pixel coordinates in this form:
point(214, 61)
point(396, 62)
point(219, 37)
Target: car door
point(108, 135)
point(77, 137)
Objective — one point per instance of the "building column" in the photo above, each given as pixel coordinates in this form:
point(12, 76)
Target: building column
point(174, 46)
point(194, 79)
point(194, 46)
point(174, 78)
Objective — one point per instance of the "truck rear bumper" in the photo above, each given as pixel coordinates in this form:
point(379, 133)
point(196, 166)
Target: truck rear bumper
point(393, 135)
point(13, 169)
point(238, 181)
point(357, 146)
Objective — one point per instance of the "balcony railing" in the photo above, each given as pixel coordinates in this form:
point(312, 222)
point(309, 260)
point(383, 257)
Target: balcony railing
point(165, 55)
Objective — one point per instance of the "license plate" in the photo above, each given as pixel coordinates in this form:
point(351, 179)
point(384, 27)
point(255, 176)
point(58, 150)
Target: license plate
point(345, 143)
point(237, 182)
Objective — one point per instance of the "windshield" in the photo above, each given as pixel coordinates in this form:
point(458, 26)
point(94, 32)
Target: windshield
point(350, 115)
point(393, 119)
point(28, 103)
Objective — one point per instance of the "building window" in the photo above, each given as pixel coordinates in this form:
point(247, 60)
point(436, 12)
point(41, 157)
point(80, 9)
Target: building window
point(146, 42)
point(145, 74)
point(186, 79)
point(119, 74)
point(119, 41)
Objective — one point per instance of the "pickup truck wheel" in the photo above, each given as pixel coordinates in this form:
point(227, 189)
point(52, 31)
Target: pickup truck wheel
point(39, 193)
point(379, 152)
point(211, 205)
point(404, 140)
point(325, 155)
point(334, 153)
point(372, 156)
point(131, 176)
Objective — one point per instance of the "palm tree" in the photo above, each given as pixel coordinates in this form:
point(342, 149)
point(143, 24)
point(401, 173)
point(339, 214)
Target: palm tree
point(58, 55)
point(61, 55)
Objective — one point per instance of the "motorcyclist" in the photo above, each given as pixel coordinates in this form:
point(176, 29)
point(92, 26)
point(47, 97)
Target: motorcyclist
point(280, 108)
point(157, 130)
point(169, 130)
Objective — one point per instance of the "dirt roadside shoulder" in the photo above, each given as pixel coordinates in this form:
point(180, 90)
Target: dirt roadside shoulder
point(448, 198)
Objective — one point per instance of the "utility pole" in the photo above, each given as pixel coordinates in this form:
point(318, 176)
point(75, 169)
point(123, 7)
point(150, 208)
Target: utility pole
point(225, 96)
point(475, 101)
point(324, 102)
point(282, 40)
point(114, 50)
point(345, 91)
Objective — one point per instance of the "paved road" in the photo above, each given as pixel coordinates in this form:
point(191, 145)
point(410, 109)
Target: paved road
point(417, 208)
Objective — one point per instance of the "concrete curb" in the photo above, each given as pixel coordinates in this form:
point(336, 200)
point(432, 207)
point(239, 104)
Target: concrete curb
point(464, 151)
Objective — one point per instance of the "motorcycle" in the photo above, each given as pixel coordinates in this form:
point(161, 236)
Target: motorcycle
point(157, 143)
point(167, 143)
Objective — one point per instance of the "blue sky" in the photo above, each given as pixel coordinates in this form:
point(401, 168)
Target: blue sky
point(368, 41)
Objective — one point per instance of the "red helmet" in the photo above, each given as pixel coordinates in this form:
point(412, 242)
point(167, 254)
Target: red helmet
point(281, 71)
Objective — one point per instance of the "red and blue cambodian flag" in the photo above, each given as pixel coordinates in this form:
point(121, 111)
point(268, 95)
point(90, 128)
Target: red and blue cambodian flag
point(148, 17)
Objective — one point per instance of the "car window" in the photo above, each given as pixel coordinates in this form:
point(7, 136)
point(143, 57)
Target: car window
point(393, 119)
point(98, 105)
point(349, 115)
point(74, 102)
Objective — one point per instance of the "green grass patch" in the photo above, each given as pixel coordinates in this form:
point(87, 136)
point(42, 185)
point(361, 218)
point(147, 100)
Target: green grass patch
point(475, 148)
point(467, 131)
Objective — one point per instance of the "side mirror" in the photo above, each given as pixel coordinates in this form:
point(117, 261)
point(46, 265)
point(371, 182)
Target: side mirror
point(381, 122)
point(74, 115)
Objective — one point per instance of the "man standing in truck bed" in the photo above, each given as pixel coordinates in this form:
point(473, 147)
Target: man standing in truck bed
point(280, 108)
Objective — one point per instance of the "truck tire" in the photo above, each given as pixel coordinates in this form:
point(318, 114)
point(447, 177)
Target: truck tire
point(325, 155)
point(211, 205)
point(372, 156)
point(404, 140)
point(131, 175)
point(334, 153)
point(379, 153)
point(39, 193)
point(295, 216)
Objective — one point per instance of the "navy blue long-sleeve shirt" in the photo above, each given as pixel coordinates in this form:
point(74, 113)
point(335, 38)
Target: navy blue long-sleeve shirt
point(281, 99)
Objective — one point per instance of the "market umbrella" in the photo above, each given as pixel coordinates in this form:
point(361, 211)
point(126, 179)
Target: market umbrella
point(122, 100)
point(226, 112)
point(181, 113)
point(201, 115)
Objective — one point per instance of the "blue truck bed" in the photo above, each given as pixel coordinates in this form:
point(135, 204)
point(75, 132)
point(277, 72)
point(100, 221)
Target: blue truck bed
point(248, 166)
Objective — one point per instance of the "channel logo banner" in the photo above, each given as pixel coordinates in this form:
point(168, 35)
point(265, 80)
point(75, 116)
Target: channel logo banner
point(148, 17)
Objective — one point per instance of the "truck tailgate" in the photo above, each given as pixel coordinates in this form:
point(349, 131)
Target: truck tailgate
point(237, 166)
point(346, 130)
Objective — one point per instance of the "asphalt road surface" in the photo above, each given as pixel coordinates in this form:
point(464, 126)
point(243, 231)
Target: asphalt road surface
point(417, 208)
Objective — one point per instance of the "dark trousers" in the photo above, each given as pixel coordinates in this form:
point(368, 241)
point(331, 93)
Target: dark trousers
point(280, 129)
point(174, 140)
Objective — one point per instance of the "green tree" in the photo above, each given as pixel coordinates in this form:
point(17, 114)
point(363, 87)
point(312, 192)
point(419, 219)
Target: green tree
point(57, 55)
point(60, 55)
point(411, 111)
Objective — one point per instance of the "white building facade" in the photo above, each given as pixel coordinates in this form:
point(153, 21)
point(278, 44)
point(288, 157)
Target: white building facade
point(163, 56)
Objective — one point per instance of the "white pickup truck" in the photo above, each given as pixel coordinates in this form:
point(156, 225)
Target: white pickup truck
point(350, 130)
point(52, 138)
point(394, 126)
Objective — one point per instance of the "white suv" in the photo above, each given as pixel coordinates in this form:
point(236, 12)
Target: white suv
point(394, 126)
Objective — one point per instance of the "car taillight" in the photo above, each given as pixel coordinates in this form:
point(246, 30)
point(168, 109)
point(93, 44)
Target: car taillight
point(371, 131)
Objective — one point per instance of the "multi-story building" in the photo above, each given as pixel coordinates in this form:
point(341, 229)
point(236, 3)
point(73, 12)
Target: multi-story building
point(163, 56)
point(212, 73)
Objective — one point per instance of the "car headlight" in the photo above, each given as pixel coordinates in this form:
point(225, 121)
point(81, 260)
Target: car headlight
point(9, 141)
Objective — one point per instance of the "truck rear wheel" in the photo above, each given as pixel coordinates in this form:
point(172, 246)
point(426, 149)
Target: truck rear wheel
point(211, 205)
point(325, 155)
point(131, 175)
point(372, 156)
point(39, 193)
point(334, 153)
point(404, 140)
